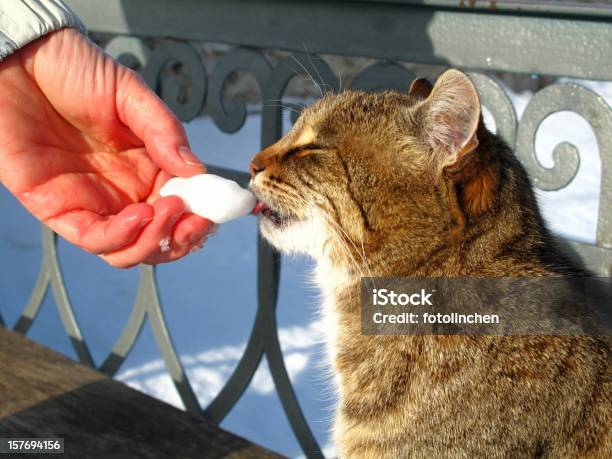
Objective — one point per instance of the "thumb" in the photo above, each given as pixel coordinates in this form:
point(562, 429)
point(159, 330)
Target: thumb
point(139, 108)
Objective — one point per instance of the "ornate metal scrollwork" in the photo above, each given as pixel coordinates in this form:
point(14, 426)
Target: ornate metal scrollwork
point(147, 305)
point(174, 92)
point(129, 51)
point(50, 275)
point(230, 118)
point(595, 110)
point(186, 99)
point(494, 97)
point(565, 155)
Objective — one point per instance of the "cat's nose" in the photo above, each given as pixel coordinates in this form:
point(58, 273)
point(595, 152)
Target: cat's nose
point(256, 167)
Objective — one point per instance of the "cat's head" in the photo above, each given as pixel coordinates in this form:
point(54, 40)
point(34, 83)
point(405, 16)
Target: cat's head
point(364, 172)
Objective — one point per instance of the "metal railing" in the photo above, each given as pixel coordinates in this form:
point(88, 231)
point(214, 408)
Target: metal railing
point(555, 39)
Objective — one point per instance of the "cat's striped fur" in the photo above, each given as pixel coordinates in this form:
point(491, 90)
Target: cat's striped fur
point(413, 184)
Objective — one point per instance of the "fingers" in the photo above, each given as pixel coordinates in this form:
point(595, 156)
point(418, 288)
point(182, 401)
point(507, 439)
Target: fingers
point(98, 234)
point(140, 233)
point(189, 230)
point(190, 234)
point(167, 211)
point(169, 236)
point(151, 120)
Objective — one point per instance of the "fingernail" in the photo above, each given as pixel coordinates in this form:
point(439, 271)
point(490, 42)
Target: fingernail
point(144, 222)
point(128, 223)
point(189, 157)
point(172, 220)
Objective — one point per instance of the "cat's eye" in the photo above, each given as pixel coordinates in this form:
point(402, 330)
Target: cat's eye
point(302, 150)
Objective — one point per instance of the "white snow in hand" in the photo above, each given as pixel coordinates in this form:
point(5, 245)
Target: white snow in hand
point(210, 196)
point(164, 244)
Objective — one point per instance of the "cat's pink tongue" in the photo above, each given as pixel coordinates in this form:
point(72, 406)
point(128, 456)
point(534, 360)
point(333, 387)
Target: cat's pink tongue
point(258, 208)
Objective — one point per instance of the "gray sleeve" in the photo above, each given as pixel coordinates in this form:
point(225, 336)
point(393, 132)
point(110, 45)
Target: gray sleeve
point(23, 21)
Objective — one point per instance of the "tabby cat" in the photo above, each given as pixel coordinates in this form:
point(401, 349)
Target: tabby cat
point(413, 184)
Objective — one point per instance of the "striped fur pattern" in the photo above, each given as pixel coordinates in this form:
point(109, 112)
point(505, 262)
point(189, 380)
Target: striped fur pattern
point(413, 184)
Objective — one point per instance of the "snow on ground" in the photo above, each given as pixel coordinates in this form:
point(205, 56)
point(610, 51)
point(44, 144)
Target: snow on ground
point(209, 297)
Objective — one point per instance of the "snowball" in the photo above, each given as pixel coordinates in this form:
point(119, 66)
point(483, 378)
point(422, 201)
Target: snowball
point(211, 196)
point(164, 244)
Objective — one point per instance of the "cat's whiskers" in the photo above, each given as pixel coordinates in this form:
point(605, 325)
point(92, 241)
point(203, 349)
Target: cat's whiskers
point(360, 253)
point(347, 250)
point(332, 225)
point(335, 228)
point(286, 107)
point(281, 101)
point(329, 220)
point(307, 73)
point(302, 202)
point(321, 81)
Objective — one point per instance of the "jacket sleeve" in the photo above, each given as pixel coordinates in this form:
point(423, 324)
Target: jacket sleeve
point(23, 21)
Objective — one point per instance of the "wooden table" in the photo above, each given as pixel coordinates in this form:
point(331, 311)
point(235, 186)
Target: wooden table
point(44, 394)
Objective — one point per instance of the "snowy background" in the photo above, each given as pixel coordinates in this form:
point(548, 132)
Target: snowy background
point(209, 297)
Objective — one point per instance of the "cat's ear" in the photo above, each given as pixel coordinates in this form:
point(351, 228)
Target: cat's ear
point(420, 88)
point(449, 118)
point(450, 123)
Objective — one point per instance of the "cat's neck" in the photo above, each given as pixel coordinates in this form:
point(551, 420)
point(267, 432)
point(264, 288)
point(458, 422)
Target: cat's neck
point(337, 284)
point(340, 279)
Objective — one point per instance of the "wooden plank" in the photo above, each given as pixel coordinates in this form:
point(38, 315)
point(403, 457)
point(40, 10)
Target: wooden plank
point(44, 394)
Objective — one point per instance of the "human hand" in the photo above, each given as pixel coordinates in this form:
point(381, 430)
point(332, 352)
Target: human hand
point(85, 146)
